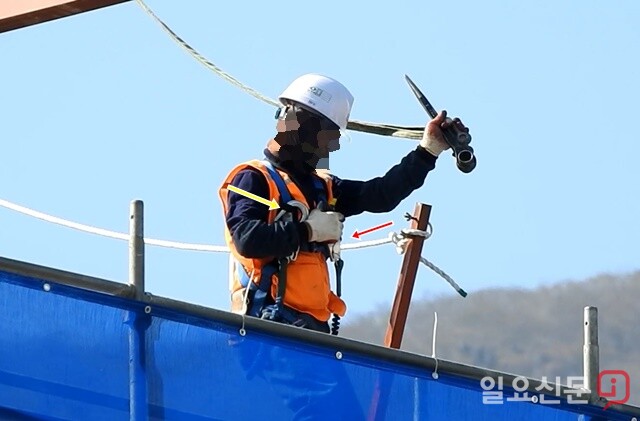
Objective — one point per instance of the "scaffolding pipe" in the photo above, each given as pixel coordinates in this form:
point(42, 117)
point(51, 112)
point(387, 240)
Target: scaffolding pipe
point(591, 357)
point(136, 248)
point(137, 320)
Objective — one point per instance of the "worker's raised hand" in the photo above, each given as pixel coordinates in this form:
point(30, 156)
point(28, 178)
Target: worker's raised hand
point(324, 227)
point(433, 138)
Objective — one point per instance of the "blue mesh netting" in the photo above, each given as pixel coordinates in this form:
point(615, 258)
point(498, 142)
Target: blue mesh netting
point(65, 354)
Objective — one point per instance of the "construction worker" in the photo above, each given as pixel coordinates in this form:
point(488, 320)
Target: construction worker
point(293, 243)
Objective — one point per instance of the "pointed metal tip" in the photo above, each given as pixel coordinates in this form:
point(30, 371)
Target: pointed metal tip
point(410, 82)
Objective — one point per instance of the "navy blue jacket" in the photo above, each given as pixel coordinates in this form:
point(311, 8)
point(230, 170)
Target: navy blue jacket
point(254, 238)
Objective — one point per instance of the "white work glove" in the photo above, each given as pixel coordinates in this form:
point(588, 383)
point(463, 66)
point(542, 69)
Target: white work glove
point(324, 226)
point(433, 139)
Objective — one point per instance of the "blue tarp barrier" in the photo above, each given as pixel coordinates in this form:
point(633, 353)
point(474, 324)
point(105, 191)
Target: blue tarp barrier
point(68, 353)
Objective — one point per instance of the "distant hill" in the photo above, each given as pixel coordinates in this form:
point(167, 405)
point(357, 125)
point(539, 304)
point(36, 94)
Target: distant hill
point(530, 332)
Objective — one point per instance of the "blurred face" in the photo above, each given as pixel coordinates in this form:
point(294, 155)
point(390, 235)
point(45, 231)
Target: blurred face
point(327, 134)
point(328, 141)
point(305, 136)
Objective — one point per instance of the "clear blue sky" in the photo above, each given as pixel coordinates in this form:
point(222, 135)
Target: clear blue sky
point(103, 108)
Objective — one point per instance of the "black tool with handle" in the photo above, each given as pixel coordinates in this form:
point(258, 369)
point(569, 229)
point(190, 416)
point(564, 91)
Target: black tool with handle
point(455, 136)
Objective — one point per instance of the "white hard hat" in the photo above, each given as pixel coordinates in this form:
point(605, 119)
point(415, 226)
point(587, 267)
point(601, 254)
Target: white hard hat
point(321, 94)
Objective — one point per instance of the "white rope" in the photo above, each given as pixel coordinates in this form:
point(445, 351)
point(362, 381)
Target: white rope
point(186, 246)
point(60, 221)
point(444, 276)
point(433, 346)
point(108, 233)
point(151, 241)
point(365, 244)
point(401, 240)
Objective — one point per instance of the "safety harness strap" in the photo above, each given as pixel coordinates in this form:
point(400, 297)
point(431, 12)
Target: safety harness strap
point(285, 196)
point(260, 293)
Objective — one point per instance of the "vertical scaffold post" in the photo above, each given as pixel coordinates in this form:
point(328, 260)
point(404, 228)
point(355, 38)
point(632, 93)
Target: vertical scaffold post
point(404, 290)
point(137, 320)
point(591, 357)
point(136, 248)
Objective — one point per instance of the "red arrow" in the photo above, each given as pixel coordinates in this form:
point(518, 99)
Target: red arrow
point(357, 234)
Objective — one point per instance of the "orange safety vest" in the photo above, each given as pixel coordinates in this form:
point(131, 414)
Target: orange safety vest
point(308, 289)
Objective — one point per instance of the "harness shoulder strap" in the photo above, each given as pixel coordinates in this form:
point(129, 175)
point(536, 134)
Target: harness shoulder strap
point(285, 196)
point(321, 190)
point(318, 185)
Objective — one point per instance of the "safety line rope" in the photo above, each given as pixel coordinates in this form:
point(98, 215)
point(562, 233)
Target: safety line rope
point(399, 239)
point(108, 233)
point(362, 126)
point(151, 241)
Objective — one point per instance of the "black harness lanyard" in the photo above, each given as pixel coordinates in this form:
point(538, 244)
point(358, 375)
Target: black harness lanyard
point(282, 286)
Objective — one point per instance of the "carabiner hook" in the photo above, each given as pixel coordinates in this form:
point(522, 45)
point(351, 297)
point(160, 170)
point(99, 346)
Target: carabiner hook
point(291, 206)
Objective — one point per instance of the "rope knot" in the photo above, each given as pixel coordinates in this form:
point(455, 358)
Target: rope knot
point(402, 239)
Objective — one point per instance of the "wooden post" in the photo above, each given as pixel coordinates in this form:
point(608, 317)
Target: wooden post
point(410, 263)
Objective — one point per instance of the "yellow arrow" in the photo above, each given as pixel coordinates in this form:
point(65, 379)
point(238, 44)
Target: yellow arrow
point(271, 203)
